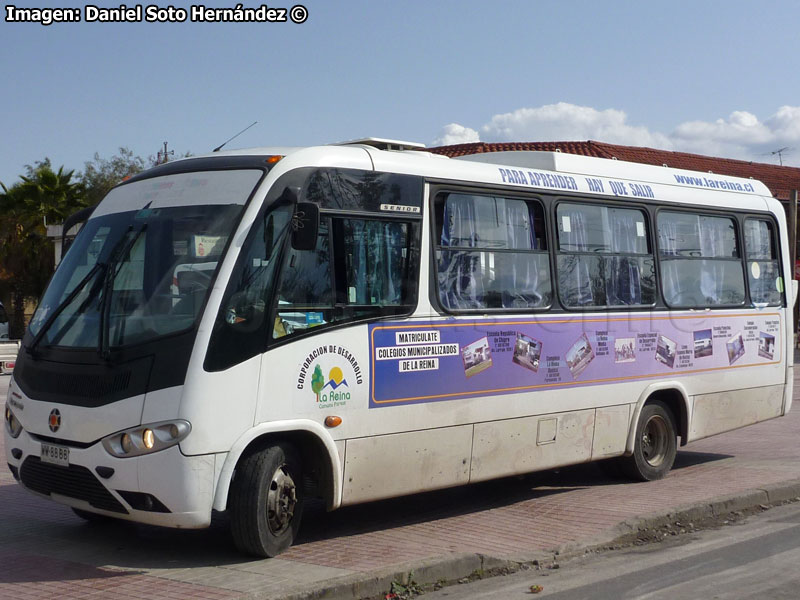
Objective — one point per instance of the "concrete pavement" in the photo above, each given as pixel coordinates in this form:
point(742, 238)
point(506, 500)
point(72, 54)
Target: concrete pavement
point(356, 552)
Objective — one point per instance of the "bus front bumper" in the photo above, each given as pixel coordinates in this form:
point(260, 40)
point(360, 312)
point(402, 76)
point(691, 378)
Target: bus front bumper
point(165, 488)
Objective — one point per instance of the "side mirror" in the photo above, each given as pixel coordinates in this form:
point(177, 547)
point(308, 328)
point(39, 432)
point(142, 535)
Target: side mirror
point(305, 226)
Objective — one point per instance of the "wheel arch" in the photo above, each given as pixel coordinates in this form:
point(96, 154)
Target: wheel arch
point(674, 395)
point(312, 441)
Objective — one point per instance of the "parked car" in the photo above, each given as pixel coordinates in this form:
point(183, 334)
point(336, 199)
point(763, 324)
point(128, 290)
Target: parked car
point(3, 323)
point(8, 356)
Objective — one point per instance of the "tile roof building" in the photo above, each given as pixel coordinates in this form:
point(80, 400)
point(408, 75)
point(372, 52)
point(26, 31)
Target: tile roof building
point(779, 179)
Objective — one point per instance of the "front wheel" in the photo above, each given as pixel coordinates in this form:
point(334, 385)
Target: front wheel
point(656, 443)
point(266, 501)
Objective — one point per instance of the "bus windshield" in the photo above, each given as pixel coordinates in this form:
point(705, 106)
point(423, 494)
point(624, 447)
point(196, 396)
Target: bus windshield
point(135, 275)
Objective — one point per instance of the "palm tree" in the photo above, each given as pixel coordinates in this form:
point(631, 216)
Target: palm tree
point(26, 254)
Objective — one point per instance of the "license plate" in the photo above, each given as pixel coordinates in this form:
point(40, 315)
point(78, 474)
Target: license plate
point(56, 455)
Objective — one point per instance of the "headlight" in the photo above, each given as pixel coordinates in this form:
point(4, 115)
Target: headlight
point(146, 439)
point(149, 439)
point(13, 426)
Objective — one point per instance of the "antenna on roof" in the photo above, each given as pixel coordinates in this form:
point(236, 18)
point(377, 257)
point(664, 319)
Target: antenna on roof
point(780, 152)
point(218, 148)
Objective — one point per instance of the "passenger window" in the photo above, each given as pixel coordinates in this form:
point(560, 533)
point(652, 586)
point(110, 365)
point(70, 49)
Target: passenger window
point(604, 257)
point(700, 260)
point(491, 254)
point(763, 270)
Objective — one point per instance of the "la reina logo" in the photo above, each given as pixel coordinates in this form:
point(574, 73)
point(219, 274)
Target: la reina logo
point(322, 373)
point(329, 392)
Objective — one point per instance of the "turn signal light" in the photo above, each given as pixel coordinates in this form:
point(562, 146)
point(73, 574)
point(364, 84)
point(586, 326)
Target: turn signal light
point(13, 426)
point(273, 159)
point(333, 421)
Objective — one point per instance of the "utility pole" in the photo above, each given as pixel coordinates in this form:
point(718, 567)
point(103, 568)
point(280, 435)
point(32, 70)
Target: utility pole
point(163, 155)
point(793, 253)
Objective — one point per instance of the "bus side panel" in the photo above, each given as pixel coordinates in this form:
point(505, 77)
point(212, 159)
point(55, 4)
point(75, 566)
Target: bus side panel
point(716, 413)
point(219, 405)
point(611, 425)
point(789, 390)
point(523, 445)
point(406, 463)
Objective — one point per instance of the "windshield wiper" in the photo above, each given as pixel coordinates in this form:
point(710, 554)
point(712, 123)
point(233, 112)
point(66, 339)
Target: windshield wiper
point(103, 346)
point(120, 249)
point(60, 308)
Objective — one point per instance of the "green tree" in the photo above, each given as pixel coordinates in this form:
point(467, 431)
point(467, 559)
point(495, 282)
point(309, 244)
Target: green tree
point(102, 174)
point(317, 381)
point(26, 254)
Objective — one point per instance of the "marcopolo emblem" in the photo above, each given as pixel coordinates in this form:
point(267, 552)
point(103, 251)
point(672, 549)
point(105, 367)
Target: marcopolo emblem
point(54, 420)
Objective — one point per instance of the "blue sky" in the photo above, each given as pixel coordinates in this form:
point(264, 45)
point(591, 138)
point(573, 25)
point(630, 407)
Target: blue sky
point(715, 78)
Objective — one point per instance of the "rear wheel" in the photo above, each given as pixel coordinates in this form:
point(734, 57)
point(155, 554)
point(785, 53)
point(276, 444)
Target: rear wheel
point(266, 501)
point(655, 445)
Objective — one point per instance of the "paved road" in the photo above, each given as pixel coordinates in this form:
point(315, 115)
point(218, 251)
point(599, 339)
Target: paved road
point(46, 551)
point(754, 559)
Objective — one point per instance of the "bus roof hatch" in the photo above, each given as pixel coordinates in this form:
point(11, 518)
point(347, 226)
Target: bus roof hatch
point(383, 144)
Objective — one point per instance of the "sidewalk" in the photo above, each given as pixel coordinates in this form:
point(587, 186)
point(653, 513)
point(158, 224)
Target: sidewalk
point(357, 551)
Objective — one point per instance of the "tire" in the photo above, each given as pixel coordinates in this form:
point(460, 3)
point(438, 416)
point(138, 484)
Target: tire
point(655, 445)
point(266, 501)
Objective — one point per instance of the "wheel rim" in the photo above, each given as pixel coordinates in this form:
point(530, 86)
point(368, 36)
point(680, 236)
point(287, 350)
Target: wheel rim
point(655, 440)
point(281, 500)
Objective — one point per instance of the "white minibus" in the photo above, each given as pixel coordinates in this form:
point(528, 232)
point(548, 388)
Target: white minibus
point(241, 331)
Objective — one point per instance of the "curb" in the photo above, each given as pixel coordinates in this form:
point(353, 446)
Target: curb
point(452, 568)
point(374, 584)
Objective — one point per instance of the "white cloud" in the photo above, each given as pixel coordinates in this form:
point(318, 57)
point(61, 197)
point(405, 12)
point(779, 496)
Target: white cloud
point(736, 137)
point(456, 134)
point(568, 122)
point(742, 135)
point(786, 124)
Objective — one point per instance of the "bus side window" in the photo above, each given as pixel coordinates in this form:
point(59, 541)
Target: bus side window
point(491, 253)
point(763, 270)
point(701, 265)
point(361, 268)
point(604, 258)
point(376, 262)
point(305, 293)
